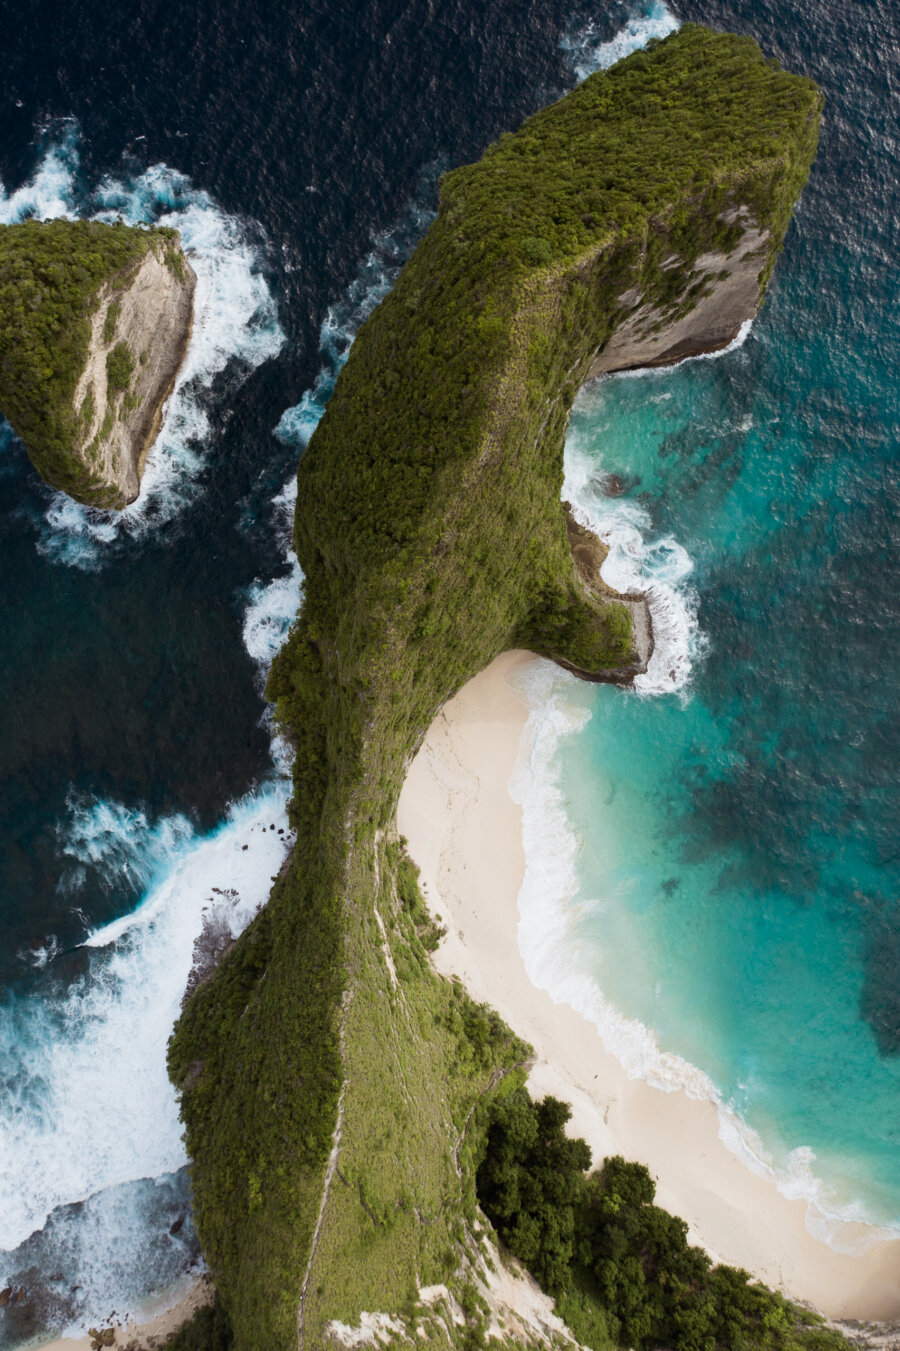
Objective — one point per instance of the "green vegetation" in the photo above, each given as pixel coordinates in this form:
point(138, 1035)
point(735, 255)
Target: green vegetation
point(119, 367)
point(109, 323)
point(335, 1090)
point(51, 276)
point(208, 1330)
point(621, 1269)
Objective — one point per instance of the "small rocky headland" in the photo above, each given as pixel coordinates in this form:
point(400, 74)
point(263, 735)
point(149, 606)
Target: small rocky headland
point(95, 321)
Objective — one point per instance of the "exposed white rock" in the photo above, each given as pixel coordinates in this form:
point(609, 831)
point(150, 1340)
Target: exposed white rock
point(151, 312)
point(649, 336)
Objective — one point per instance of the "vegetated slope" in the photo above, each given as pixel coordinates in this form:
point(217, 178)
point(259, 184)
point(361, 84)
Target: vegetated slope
point(620, 1267)
point(94, 322)
point(334, 1088)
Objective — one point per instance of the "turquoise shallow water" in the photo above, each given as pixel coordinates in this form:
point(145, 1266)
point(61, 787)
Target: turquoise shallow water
point(737, 864)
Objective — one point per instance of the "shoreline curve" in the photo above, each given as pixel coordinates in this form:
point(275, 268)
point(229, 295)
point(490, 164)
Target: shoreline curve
point(465, 832)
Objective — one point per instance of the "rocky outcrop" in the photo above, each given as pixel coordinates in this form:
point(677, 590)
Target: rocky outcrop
point(95, 320)
point(589, 554)
point(730, 289)
point(139, 335)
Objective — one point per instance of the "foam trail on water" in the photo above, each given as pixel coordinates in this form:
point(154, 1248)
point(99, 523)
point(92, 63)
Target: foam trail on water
point(660, 569)
point(272, 606)
point(112, 1024)
point(549, 950)
point(588, 52)
point(271, 609)
point(49, 192)
point(118, 844)
point(660, 372)
point(91, 1152)
point(235, 325)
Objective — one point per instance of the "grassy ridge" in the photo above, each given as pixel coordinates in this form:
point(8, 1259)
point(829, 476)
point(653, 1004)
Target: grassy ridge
point(431, 534)
point(51, 275)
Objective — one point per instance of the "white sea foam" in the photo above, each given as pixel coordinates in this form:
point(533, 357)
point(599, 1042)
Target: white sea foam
point(48, 193)
point(107, 1033)
point(89, 1104)
point(660, 372)
point(270, 611)
point(272, 606)
point(235, 325)
point(658, 569)
point(89, 1110)
point(588, 52)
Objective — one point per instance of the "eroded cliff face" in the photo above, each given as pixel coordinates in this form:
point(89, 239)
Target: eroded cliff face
point(95, 319)
point(729, 286)
point(139, 335)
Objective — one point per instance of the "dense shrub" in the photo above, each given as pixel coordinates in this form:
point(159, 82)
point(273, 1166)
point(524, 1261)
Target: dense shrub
point(208, 1330)
point(120, 367)
point(621, 1267)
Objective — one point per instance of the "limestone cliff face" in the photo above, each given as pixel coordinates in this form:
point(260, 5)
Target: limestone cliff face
point(730, 287)
point(139, 335)
point(95, 320)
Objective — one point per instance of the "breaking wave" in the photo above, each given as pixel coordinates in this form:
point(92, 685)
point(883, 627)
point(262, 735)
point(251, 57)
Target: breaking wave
point(587, 51)
point(92, 1161)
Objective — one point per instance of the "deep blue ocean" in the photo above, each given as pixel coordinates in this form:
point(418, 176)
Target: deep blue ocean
point(737, 876)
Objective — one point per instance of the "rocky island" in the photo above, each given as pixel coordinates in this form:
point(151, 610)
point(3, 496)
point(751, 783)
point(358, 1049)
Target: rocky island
point(94, 324)
point(337, 1092)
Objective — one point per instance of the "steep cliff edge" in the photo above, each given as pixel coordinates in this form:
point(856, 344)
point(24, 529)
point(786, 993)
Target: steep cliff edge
point(94, 324)
point(333, 1086)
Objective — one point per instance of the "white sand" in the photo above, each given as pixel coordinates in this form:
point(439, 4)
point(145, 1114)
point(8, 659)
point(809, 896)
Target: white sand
point(465, 833)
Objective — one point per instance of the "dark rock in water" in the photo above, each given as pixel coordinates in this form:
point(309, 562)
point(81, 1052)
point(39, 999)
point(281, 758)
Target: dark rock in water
point(5, 1296)
point(616, 485)
point(177, 1226)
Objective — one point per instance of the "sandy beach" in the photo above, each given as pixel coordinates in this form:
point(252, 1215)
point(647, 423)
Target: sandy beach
point(464, 831)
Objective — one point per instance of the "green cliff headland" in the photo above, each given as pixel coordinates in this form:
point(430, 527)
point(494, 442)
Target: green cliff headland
point(337, 1092)
point(94, 324)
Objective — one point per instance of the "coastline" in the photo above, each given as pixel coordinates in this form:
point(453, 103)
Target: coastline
point(464, 831)
point(160, 1320)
